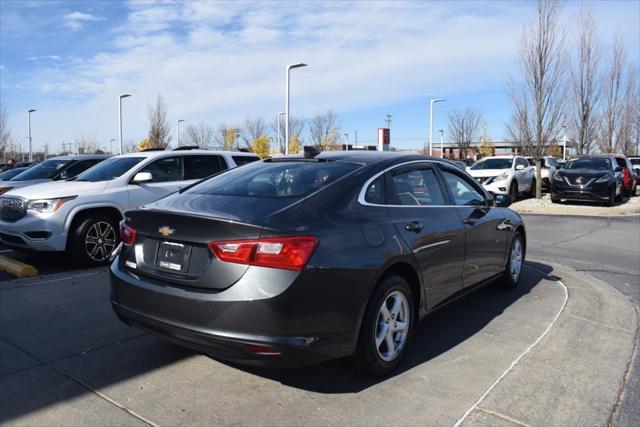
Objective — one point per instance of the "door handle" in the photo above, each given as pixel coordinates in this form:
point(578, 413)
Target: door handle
point(414, 226)
point(470, 220)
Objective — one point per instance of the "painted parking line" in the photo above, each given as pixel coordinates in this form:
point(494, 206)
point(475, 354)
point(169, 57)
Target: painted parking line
point(17, 268)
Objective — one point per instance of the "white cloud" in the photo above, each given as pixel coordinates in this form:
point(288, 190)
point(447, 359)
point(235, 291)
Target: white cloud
point(75, 20)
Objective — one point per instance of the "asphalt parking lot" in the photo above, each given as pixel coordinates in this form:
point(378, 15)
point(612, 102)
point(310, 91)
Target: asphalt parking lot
point(525, 356)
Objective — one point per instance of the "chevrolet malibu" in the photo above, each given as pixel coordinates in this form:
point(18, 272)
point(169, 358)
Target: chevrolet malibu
point(292, 261)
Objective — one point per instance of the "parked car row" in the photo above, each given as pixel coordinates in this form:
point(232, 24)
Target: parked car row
point(74, 203)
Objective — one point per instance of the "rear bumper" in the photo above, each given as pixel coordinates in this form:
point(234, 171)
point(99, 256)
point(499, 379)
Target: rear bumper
point(302, 327)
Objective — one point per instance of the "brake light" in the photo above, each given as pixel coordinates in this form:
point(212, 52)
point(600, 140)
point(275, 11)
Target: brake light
point(128, 234)
point(289, 253)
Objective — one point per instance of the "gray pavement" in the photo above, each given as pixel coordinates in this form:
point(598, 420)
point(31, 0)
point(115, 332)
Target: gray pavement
point(606, 248)
point(70, 361)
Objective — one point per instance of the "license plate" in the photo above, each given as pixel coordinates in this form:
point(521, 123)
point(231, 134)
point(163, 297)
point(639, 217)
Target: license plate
point(173, 256)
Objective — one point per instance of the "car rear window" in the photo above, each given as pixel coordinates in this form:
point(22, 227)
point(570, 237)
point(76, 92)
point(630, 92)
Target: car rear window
point(294, 179)
point(244, 160)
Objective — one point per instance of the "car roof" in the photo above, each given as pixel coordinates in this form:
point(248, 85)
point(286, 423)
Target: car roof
point(80, 157)
point(161, 153)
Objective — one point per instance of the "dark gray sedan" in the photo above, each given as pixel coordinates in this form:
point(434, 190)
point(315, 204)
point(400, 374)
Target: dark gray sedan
point(292, 261)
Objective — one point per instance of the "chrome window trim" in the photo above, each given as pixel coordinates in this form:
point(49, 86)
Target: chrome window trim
point(363, 191)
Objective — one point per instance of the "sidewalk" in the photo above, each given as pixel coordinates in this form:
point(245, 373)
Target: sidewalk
point(544, 206)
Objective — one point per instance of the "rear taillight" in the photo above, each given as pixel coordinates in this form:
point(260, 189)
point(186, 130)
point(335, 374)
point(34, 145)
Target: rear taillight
point(289, 253)
point(128, 234)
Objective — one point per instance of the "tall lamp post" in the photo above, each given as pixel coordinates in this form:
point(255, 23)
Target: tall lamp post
point(110, 146)
point(355, 144)
point(286, 109)
point(441, 142)
point(178, 131)
point(30, 149)
point(346, 145)
point(124, 95)
point(564, 143)
point(433, 101)
point(278, 126)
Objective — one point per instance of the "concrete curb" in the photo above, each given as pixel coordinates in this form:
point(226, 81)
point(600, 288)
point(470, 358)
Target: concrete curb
point(575, 212)
point(577, 375)
point(17, 268)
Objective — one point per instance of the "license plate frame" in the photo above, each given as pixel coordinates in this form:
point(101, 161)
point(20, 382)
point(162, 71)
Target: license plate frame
point(173, 256)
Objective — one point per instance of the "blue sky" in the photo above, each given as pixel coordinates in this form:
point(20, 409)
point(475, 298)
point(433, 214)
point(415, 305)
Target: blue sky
point(218, 62)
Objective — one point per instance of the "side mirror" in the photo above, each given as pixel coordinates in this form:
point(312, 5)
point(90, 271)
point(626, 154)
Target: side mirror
point(519, 167)
point(501, 200)
point(142, 177)
point(618, 169)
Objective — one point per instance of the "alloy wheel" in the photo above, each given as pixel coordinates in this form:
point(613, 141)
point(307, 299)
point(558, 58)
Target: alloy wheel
point(516, 259)
point(392, 326)
point(100, 241)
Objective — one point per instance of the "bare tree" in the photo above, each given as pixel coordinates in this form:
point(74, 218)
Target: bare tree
point(159, 130)
point(86, 144)
point(5, 135)
point(538, 99)
point(226, 137)
point(613, 92)
point(201, 135)
point(251, 130)
point(324, 130)
point(629, 115)
point(585, 85)
point(296, 127)
point(464, 127)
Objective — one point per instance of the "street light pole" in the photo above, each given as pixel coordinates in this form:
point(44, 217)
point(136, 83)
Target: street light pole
point(278, 126)
point(346, 145)
point(30, 148)
point(286, 109)
point(441, 142)
point(564, 143)
point(178, 131)
point(110, 147)
point(433, 101)
point(355, 144)
point(124, 95)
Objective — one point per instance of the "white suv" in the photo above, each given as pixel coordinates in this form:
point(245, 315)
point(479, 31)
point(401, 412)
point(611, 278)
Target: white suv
point(82, 215)
point(510, 175)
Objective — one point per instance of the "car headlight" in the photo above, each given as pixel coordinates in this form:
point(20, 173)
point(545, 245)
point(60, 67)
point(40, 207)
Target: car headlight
point(604, 178)
point(557, 177)
point(503, 175)
point(47, 205)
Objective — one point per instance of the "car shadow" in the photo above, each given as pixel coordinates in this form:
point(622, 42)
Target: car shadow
point(436, 334)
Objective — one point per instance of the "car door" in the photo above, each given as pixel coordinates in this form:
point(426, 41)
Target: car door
point(485, 227)
point(167, 177)
point(429, 228)
point(523, 175)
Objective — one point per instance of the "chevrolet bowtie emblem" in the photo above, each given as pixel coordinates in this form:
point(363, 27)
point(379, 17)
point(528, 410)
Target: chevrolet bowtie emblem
point(166, 231)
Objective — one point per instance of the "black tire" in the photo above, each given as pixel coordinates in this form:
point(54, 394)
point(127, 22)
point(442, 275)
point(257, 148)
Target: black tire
point(513, 191)
point(612, 197)
point(367, 358)
point(555, 200)
point(508, 279)
point(620, 198)
point(79, 245)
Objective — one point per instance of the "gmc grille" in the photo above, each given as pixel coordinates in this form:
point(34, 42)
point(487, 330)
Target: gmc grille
point(12, 209)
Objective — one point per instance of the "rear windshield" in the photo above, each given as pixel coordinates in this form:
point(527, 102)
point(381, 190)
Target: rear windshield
point(44, 170)
point(275, 180)
point(492, 164)
point(244, 160)
point(109, 169)
point(594, 163)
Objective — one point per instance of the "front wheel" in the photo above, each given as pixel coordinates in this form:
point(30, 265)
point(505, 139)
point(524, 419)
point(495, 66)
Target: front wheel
point(532, 188)
point(386, 328)
point(513, 191)
point(511, 275)
point(94, 239)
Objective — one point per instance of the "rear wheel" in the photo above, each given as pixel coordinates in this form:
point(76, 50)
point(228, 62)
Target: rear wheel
point(94, 239)
point(612, 197)
point(620, 197)
point(386, 328)
point(532, 189)
point(511, 275)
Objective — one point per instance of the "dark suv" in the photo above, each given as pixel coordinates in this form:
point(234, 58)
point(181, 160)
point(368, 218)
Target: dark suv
point(588, 178)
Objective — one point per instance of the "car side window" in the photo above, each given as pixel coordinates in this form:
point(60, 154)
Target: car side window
point(198, 167)
point(166, 169)
point(416, 186)
point(375, 191)
point(462, 191)
point(521, 161)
